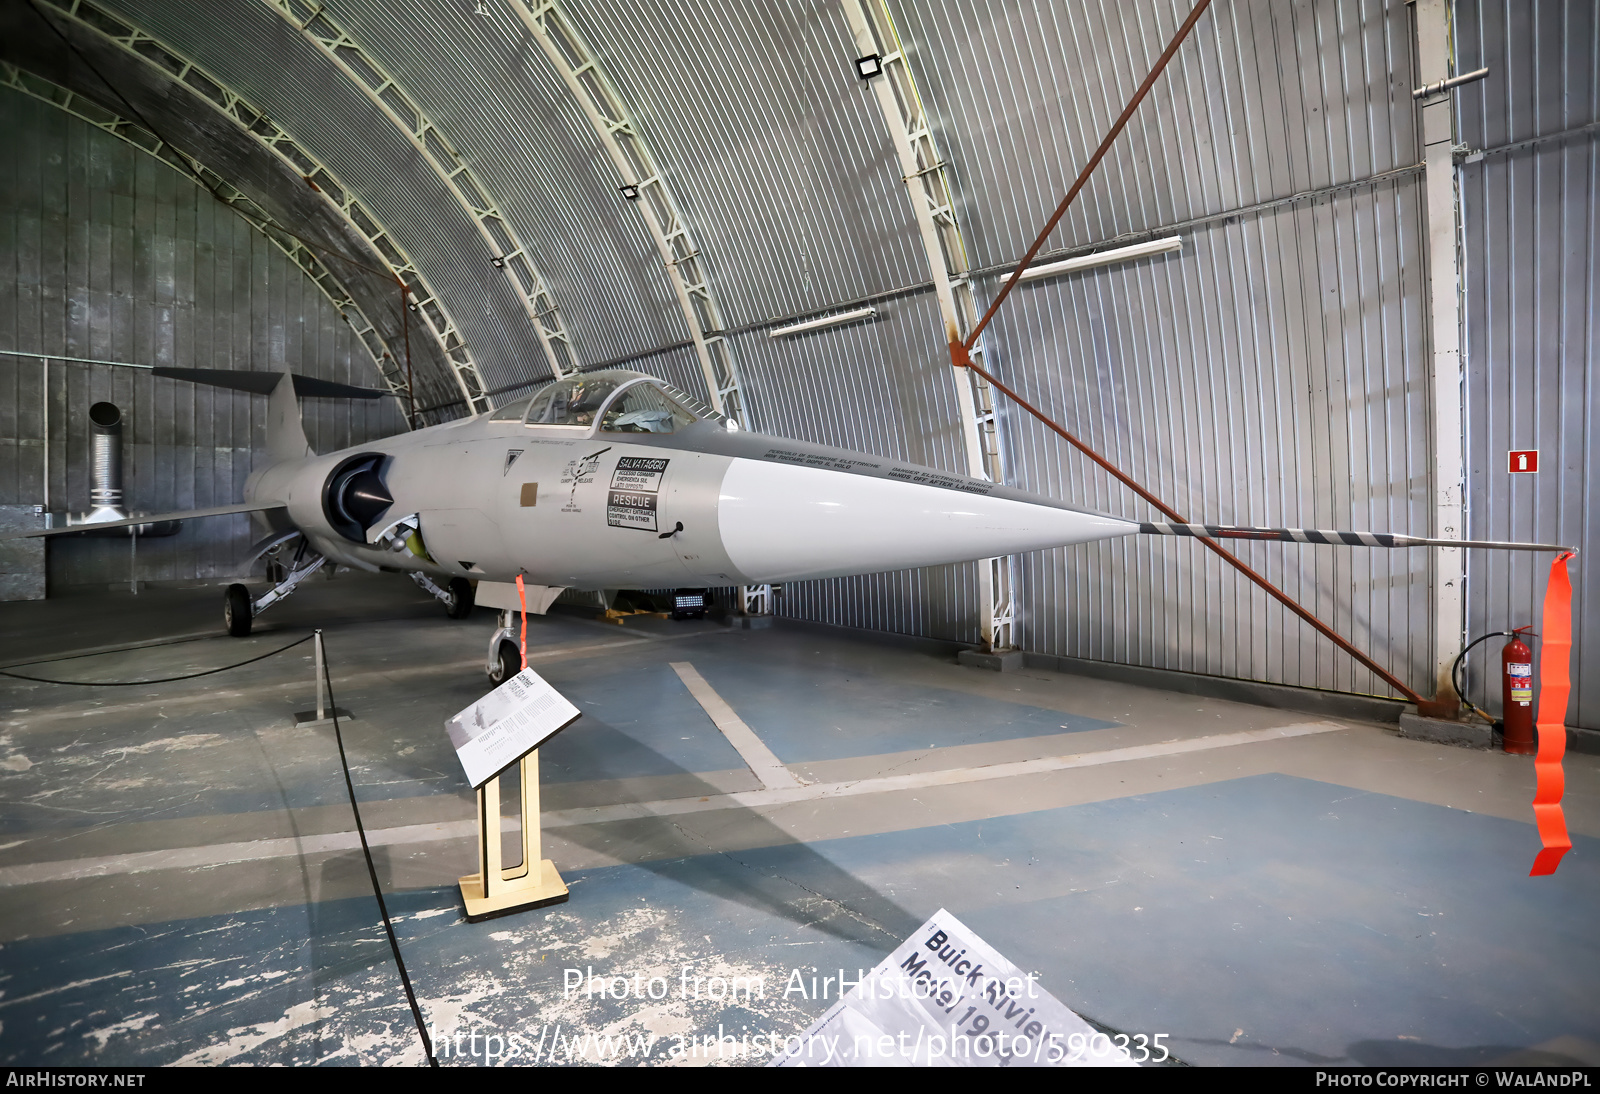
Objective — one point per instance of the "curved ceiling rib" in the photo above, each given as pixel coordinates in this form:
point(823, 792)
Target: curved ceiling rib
point(100, 117)
point(401, 270)
point(272, 136)
point(933, 204)
point(511, 255)
point(100, 56)
point(644, 185)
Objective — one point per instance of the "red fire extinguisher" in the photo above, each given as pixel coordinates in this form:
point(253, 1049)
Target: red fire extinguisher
point(1516, 682)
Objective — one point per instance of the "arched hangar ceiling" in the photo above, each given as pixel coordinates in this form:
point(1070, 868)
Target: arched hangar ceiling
point(207, 138)
point(787, 176)
point(776, 152)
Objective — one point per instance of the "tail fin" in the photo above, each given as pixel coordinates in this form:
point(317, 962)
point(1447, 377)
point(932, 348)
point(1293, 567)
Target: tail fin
point(286, 437)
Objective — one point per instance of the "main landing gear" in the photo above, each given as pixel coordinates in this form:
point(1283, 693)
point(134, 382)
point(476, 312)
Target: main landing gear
point(239, 611)
point(457, 596)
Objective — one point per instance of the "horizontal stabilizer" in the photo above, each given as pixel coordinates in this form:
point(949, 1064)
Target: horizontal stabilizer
point(262, 383)
point(153, 518)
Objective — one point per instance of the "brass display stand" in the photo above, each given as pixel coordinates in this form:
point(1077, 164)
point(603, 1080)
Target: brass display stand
point(495, 890)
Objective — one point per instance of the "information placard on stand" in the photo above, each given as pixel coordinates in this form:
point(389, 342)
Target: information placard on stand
point(502, 729)
point(508, 723)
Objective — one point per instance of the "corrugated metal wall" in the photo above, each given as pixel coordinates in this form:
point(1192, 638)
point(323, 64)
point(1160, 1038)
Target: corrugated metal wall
point(108, 253)
point(1532, 343)
point(1274, 372)
point(1272, 375)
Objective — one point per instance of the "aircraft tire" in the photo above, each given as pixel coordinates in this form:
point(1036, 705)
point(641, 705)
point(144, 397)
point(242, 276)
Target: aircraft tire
point(236, 611)
point(507, 662)
point(461, 598)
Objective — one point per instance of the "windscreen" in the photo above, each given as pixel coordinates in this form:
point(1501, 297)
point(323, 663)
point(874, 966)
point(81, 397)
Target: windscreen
point(570, 402)
point(512, 412)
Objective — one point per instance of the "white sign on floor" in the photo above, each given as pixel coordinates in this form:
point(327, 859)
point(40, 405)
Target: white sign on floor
point(944, 998)
point(507, 724)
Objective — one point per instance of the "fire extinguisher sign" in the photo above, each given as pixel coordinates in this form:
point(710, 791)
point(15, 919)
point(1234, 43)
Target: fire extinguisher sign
point(1525, 462)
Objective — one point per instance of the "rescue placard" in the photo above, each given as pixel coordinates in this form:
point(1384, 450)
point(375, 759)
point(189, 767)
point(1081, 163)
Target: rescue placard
point(638, 473)
point(627, 509)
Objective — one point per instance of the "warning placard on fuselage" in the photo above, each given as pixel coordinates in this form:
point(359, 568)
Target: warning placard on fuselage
point(635, 485)
point(629, 510)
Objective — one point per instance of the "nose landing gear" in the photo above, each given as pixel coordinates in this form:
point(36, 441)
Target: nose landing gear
point(505, 656)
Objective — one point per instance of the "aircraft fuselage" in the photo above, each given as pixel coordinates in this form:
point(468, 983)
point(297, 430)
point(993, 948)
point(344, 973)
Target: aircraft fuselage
point(591, 507)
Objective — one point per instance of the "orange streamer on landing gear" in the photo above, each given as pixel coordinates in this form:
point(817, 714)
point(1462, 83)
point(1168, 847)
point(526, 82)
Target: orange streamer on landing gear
point(1555, 683)
point(522, 595)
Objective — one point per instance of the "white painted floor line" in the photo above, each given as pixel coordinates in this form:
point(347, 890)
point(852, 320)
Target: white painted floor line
point(752, 799)
point(221, 854)
point(760, 759)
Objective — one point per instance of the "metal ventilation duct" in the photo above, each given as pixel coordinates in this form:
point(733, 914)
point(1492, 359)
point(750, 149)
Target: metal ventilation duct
point(105, 470)
point(105, 479)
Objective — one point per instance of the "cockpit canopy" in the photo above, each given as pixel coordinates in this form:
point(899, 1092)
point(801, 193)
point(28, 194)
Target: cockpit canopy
point(620, 401)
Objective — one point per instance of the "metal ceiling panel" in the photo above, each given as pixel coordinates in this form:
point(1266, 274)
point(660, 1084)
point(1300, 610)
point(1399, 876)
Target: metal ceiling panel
point(489, 87)
point(776, 151)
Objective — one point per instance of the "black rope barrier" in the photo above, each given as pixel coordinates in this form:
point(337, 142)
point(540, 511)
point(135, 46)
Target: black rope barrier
point(349, 785)
point(372, 871)
point(162, 680)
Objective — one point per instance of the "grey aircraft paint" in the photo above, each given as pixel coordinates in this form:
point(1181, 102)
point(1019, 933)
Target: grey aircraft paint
point(594, 506)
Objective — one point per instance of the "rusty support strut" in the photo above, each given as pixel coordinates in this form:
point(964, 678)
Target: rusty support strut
point(961, 358)
point(1423, 705)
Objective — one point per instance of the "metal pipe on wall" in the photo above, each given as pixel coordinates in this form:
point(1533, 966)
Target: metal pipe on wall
point(105, 464)
point(44, 414)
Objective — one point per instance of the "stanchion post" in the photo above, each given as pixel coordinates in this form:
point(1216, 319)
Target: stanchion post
point(321, 708)
point(322, 716)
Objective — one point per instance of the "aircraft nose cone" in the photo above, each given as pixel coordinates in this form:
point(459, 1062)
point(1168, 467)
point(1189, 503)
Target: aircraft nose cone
point(368, 497)
point(784, 523)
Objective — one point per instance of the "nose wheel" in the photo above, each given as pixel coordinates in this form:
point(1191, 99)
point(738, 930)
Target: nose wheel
point(506, 663)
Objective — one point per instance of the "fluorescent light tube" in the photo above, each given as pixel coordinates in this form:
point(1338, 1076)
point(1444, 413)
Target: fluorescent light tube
point(823, 321)
point(1104, 258)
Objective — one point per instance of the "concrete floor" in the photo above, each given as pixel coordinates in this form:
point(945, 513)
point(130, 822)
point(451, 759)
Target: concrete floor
point(181, 882)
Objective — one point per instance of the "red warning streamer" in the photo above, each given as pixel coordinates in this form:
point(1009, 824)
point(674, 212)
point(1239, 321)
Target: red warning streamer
point(1555, 682)
point(522, 595)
